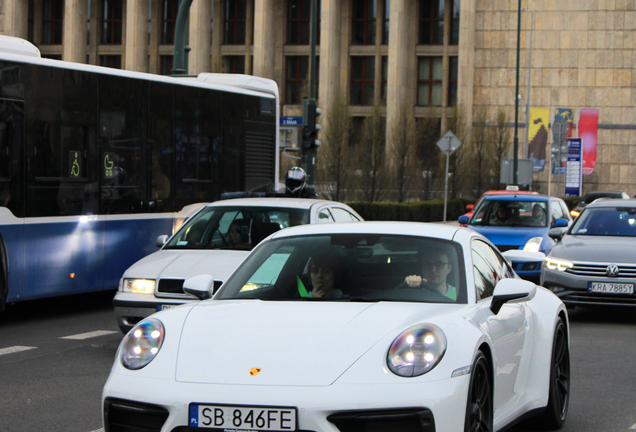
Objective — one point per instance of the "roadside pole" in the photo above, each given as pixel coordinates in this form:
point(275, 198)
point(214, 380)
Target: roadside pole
point(448, 144)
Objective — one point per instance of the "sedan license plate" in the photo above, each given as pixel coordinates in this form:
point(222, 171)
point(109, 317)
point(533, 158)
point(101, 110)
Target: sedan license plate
point(163, 307)
point(610, 288)
point(242, 418)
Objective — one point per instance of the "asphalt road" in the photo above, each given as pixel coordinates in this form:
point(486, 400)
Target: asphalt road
point(68, 345)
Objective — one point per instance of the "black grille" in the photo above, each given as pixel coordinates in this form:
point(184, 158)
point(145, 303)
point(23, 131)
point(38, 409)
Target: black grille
point(503, 248)
point(175, 286)
point(598, 299)
point(403, 420)
point(126, 416)
point(599, 270)
point(260, 159)
point(195, 429)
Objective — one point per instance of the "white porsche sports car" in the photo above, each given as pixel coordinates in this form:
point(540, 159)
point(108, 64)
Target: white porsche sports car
point(374, 326)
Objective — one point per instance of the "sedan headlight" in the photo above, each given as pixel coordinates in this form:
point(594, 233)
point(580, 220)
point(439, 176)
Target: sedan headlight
point(558, 264)
point(142, 344)
point(417, 350)
point(138, 286)
point(533, 245)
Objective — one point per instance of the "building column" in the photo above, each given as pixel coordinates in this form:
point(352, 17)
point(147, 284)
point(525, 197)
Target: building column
point(264, 38)
point(74, 31)
point(331, 46)
point(200, 37)
point(136, 42)
point(466, 60)
point(218, 8)
point(14, 18)
point(401, 88)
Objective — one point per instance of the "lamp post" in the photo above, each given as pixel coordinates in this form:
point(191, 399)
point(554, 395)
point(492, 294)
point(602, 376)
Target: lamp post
point(525, 140)
point(515, 166)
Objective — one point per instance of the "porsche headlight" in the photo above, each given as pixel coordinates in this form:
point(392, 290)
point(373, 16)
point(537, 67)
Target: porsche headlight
point(139, 286)
point(417, 350)
point(142, 344)
point(533, 245)
point(558, 264)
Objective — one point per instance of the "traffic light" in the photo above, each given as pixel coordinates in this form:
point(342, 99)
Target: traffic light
point(310, 128)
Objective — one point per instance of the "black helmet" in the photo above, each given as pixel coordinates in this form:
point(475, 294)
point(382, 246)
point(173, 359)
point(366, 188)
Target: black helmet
point(295, 180)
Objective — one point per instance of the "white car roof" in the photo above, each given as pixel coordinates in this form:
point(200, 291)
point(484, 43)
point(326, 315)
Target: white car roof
point(301, 203)
point(440, 231)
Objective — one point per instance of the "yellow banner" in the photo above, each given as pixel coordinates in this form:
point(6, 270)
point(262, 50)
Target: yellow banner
point(538, 136)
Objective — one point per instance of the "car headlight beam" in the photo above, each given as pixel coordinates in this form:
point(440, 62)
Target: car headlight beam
point(417, 350)
point(558, 264)
point(142, 344)
point(139, 286)
point(533, 245)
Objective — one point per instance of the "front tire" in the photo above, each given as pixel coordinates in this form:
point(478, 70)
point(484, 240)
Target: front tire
point(479, 407)
point(559, 393)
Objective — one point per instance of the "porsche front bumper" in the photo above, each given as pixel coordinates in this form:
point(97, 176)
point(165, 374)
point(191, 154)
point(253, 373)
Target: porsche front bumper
point(419, 406)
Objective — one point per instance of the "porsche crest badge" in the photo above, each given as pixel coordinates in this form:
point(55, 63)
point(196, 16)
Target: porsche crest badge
point(254, 371)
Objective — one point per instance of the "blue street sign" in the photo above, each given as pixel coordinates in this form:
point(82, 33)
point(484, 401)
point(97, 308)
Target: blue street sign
point(574, 167)
point(291, 121)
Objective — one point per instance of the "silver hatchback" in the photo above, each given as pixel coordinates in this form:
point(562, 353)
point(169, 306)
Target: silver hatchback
point(594, 262)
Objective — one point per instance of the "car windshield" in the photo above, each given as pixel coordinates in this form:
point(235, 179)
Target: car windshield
point(590, 197)
point(606, 221)
point(234, 227)
point(351, 267)
point(493, 212)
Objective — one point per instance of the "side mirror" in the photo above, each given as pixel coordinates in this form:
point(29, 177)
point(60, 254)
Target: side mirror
point(201, 286)
point(521, 256)
point(470, 207)
point(463, 220)
point(511, 291)
point(161, 240)
point(561, 223)
point(556, 234)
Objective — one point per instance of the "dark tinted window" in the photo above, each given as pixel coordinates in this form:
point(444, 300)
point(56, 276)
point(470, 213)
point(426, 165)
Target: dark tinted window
point(488, 269)
point(62, 178)
point(122, 132)
point(11, 143)
point(493, 212)
point(160, 133)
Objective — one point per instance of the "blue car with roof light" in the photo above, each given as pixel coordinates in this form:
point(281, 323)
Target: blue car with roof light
point(518, 221)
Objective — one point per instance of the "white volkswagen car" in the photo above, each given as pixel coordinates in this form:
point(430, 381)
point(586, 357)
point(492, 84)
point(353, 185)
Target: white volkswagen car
point(374, 326)
point(213, 241)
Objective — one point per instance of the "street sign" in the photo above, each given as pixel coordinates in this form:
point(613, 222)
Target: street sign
point(574, 168)
point(449, 142)
point(291, 121)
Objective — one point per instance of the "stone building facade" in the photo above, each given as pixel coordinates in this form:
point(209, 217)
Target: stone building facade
point(427, 54)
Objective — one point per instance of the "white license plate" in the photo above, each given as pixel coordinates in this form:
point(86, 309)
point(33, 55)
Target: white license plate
point(610, 288)
point(243, 418)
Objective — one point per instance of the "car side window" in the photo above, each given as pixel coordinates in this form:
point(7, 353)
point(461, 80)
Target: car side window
point(565, 210)
point(342, 215)
point(555, 212)
point(324, 216)
point(487, 271)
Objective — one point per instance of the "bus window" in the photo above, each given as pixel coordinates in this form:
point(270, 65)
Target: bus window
point(160, 133)
point(11, 138)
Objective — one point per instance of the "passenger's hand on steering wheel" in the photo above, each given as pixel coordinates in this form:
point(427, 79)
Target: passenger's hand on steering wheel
point(414, 281)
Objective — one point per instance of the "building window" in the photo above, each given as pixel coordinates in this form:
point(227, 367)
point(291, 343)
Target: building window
point(452, 80)
point(429, 81)
point(112, 22)
point(52, 21)
point(167, 64)
point(455, 23)
point(234, 64)
point(364, 19)
point(362, 80)
point(297, 69)
point(431, 22)
point(385, 78)
point(385, 30)
point(235, 17)
point(111, 61)
point(299, 22)
point(169, 9)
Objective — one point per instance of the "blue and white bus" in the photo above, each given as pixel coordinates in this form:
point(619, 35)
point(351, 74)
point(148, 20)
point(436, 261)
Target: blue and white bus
point(95, 163)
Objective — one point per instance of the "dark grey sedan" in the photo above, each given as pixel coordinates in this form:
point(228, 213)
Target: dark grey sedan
point(594, 262)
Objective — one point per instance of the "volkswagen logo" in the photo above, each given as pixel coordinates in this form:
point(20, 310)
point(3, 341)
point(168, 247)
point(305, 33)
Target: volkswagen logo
point(612, 270)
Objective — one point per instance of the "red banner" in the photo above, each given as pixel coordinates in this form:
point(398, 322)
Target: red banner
point(588, 130)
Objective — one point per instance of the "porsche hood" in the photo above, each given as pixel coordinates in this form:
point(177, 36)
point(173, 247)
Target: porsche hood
point(289, 343)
